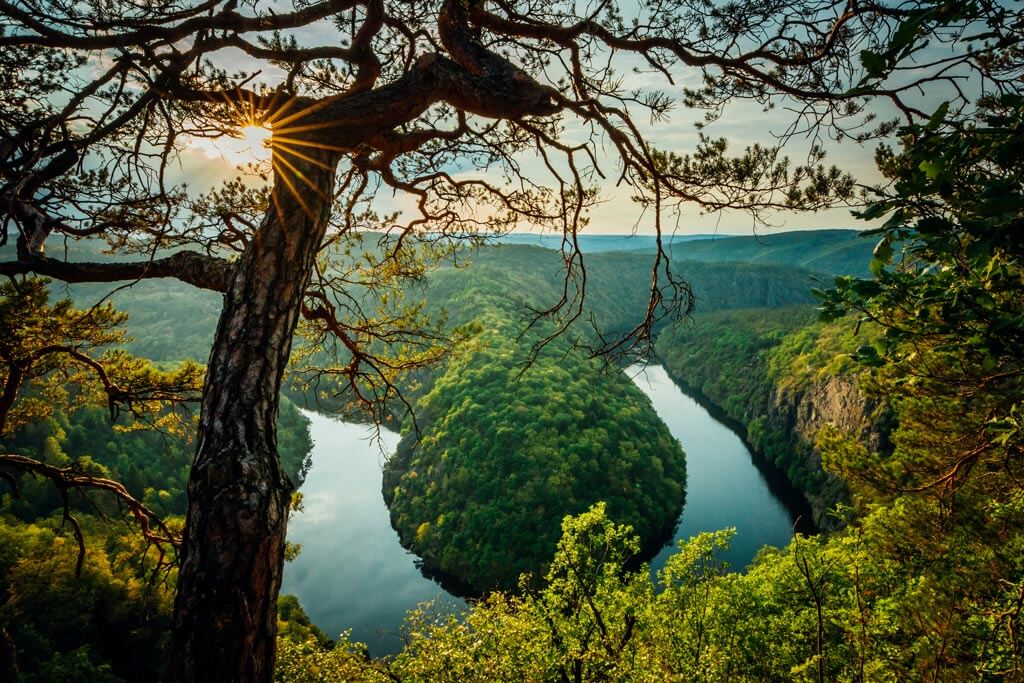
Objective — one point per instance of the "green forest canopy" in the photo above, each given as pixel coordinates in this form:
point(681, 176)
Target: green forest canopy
point(441, 104)
point(505, 451)
point(924, 583)
point(171, 323)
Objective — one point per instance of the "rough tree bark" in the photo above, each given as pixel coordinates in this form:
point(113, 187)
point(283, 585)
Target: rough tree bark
point(233, 550)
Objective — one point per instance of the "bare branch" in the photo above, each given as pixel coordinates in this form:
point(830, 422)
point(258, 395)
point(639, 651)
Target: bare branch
point(67, 479)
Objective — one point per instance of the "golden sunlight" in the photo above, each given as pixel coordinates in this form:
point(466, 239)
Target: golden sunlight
point(256, 136)
point(250, 143)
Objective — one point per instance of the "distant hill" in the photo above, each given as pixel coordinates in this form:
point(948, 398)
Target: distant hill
point(592, 244)
point(618, 283)
point(171, 320)
point(832, 252)
point(829, 252)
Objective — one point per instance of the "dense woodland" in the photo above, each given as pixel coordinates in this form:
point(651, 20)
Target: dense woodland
point(922, 582)
point(565, 432)
point(560, 402)
point(503, 449)
point(99, 611)
point(925, 580)
point(774, 373)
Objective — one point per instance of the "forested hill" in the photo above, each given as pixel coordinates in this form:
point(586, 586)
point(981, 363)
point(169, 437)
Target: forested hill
point(783, 379)
point(618, 283)
point(830, 251)
point(503, 449)
point(834, 252)
point(173, 321)
point(554, 426)
point(593, 244)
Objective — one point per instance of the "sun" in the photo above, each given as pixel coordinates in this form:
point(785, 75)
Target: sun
point(248, 144)
point(256, 138)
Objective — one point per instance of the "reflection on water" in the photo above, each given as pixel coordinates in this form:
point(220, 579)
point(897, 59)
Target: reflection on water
point(724, 487)
point(353, 574)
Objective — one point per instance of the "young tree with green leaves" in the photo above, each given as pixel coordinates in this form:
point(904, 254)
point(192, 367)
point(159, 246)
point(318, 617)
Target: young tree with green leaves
point(56, 357)
point(948, 293)
point(948, 298)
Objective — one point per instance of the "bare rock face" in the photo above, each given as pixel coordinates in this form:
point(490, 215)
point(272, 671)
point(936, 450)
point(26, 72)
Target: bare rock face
point(838, 402)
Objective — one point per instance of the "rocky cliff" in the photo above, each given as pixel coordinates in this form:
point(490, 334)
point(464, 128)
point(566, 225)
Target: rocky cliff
point(773, 374)
point(798, 415)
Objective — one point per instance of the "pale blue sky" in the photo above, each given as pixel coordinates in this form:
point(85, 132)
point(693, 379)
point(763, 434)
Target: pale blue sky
point(742, 124)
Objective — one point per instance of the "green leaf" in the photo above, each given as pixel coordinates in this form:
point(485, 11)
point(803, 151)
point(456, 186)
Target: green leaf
point(938, 116)
point(932, 168)
point(874, 63)
point(883, 250)
point(904, 37)
point(933, 225)
point(866, 288)
point(896, 220)
point(874, 211)
point(868, 355)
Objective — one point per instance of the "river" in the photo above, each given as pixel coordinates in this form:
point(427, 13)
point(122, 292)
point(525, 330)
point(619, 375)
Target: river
point(353, 573)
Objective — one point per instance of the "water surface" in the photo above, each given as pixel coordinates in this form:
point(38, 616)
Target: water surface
point(725, 487)
point(354, 574)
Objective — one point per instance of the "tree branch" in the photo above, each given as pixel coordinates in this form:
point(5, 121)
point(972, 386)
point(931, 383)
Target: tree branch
point(65, 479)
point(198, 270)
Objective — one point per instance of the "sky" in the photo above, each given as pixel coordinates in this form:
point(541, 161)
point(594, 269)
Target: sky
point(207, 162)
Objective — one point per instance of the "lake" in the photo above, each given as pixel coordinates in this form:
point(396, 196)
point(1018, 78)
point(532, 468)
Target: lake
point(354, 574)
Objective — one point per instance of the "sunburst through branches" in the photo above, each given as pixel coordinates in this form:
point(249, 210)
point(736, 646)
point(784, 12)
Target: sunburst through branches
point(270, 130)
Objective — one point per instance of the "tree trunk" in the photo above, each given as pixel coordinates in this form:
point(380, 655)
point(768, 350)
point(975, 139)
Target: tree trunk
point(8, 658)
point(225, 611)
